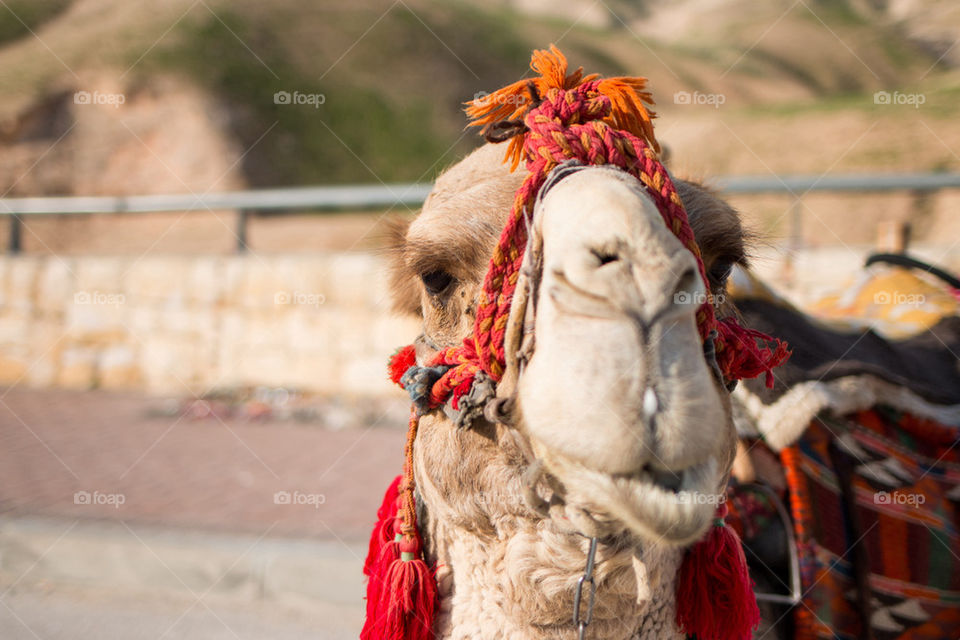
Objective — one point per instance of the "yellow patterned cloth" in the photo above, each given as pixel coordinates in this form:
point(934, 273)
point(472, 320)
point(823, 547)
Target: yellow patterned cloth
point(896, 302)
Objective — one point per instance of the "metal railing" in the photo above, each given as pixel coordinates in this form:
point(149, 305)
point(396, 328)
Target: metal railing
point(366, 197)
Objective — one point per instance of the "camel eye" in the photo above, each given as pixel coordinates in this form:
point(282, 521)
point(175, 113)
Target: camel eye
point(720, 271)
point(436, 281)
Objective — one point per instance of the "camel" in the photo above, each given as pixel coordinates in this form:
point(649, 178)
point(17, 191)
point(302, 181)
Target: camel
point(522, 565)
point(609, 434)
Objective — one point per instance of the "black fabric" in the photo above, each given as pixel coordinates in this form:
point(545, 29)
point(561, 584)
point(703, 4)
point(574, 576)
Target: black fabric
point(927, 363)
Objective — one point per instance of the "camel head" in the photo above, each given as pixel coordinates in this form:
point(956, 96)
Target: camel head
point(611, 390)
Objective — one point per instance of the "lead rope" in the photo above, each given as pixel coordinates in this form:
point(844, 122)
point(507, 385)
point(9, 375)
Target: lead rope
point(587, 578)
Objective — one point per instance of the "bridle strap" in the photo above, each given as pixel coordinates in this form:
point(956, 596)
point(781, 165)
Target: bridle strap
point(558, 173)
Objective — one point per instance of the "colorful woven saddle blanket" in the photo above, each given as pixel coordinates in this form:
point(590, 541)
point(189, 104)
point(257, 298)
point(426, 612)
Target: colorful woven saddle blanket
point(865, 420)
point(849, 354)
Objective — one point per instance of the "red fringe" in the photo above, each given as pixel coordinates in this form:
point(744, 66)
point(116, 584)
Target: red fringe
point(406, 599)
point(383, 531)
point(383, 549)
point(379, 594)
point(400, 361)
point(715, 599)
point(740, 356)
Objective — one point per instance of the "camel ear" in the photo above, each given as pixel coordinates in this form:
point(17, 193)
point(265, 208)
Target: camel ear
point(404, 291)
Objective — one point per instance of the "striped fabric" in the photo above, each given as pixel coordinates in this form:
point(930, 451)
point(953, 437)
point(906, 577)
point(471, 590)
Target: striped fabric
point(875, 498)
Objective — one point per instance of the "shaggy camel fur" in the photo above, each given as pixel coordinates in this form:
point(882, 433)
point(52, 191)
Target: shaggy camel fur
point(509, 559)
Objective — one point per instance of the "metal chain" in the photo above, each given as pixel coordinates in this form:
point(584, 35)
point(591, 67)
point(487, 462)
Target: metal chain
point(587, 578)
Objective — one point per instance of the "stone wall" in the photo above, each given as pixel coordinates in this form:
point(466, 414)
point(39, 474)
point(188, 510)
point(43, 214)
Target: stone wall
point(179, 325)
point(313, 322)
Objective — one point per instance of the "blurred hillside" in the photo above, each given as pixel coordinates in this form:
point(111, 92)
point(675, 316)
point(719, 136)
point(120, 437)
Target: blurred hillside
point(183, 93)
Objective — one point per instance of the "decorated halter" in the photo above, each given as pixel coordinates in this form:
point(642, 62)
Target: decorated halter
point(547, 121)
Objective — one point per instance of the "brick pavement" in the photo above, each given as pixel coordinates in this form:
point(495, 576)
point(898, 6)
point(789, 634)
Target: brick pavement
point(195, 474)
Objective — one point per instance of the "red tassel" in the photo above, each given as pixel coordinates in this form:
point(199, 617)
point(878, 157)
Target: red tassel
point(383, 548)
point(715, 599)
point(378, 591)
point(400, 361)
point(383, 531)
point(407, 600)
point(739, 355)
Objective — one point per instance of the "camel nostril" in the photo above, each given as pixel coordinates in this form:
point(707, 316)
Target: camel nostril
point(604, 256)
